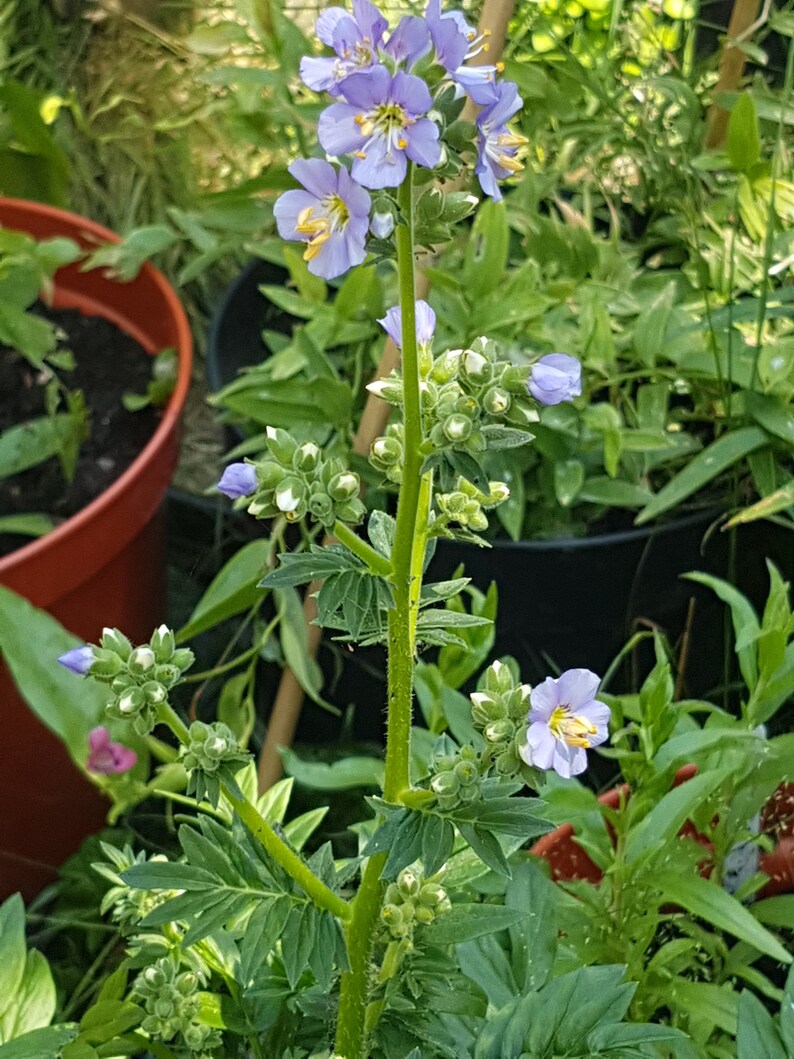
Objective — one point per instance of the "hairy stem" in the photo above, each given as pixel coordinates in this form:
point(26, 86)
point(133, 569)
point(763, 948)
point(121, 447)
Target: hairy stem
point(410, 538)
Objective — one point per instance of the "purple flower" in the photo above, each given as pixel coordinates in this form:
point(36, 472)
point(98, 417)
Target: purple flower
point(79, 660)
point(239, 479)
point(331, 216)
point(565, 720)
point(496, 145)
point(478, 82)
point(392, 324)
point(555, 378)
point(381, 126)
point(451, 34)
point(409, 42)
point(355, 39)
point(106, 758)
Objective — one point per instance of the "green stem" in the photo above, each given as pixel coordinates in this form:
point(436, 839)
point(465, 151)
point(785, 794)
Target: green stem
point(321, 894)
point(377, 563)
point(274, 846)
point(234, 663)
point(410, 538)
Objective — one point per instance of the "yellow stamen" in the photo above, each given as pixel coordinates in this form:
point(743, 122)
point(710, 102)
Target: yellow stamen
point(360, 154)
point(402, 144)
point(571, 728)
point(500, 67)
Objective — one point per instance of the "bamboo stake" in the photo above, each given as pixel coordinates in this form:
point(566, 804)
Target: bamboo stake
point(744, 21)
point(289, 697)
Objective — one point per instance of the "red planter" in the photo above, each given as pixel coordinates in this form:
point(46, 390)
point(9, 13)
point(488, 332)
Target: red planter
point(568, 861)
point(103, 566)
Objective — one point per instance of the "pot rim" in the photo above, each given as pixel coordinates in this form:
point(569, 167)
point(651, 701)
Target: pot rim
point(85, 233)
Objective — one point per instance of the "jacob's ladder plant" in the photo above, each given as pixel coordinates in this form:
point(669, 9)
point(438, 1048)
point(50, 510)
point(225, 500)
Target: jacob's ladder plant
point(245, 946)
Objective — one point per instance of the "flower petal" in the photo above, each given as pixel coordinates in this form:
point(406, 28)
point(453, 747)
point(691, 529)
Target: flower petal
point(379, 170)
point(337, 130)
point(540, 746)
point(544, 700)
point(423, 146)
point(576, 688)
point(367, 88)
point(316, 175)
point(411, 93)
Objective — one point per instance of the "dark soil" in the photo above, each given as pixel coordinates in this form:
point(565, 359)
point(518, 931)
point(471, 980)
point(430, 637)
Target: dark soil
point(108, 364)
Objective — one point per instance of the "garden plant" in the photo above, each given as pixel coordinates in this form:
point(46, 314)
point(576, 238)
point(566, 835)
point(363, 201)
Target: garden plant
point(439, 935)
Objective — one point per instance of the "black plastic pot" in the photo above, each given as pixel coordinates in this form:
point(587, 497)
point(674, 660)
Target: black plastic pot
point(575, 602)
point(235, 341)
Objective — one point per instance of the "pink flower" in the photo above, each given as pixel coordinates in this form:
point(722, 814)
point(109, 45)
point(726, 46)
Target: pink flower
point(106, 758)
point(566, 720)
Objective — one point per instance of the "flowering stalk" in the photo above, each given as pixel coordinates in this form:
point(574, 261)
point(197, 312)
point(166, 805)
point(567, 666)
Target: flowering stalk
point(410, 539)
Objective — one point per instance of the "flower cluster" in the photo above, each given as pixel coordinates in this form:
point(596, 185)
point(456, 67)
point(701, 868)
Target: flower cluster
point(382, 118)
point(499, 712)
point(127, 904)
point(295, 481)
point(410, 900)
point(211, 756)
point(466, 505)
point(465, 393)
point(172, 1003)
point(455, 778)
point(139, 678)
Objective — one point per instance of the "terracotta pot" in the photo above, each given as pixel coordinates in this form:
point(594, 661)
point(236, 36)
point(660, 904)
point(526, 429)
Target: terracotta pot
point(103, 566)
point(568, 861)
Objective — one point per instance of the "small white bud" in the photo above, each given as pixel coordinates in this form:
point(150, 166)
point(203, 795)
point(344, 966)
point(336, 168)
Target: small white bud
point(286, 500)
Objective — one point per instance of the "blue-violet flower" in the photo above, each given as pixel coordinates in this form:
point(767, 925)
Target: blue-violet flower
point(565, 720)
point(239, 479)
point(381, 126)
point(496, 145)
point(425, 325)
point(331, 216)
point(79, 660)
point(355, 39)
point(555, 378)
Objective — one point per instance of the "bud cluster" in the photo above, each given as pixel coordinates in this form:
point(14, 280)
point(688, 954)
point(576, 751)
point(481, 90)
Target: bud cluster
point(128, 905)
point(213, 754)
point(411, 900)
point(466, 505)
point(171, 1000)
point(139, 677)
point(455, 778)
point(386, 453)
point(297, 480)
point(500, 712)
point(463, 391)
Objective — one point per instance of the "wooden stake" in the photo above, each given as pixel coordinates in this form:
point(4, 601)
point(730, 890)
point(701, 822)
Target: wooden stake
point(289, 697)
point(743, 23)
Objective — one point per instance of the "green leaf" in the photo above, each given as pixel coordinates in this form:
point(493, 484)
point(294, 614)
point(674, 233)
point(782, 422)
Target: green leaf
point(341, 775)
point(627, 1035)
point(776, 911)
point(109, 1018)
point(667, 817)
point(756, 1032)
point(286, 402)
point(463, 922)
point(650, 327)
point(33, 442)
point(705, 899)
point(613, 492)
point(32, 525)
point(702, 469)
point(234, 589)
point(13, 953)
point(236, 707)
point(31, 641)
point(772, 414)
point(780, 500)
point(486, 251)
point(744, 144)
point(30, 335)
point(294, 635)
point(33, 1003)
point(745, 623)
point(318, 564)
point(568, 481)
point(39, 1043)
point(124, 260)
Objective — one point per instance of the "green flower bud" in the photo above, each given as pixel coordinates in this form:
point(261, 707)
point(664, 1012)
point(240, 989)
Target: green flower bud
point(457, 428)
point(106, 664)
point(289, 497)
point(306, 457)
point(474, 366)
point(269, 475)
point(281, 445)
point(166, 674)
point(496, 401)
point(499, 731)
point(130, 702)
point(409, 882)
point(445, 784)
point(154, 693)
point(183, 659)
point(141, 661)
point(115, 641)
point(445, 368)
point(344, 486)
point(163, 643)
point(321, 506)
point(466, 773)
